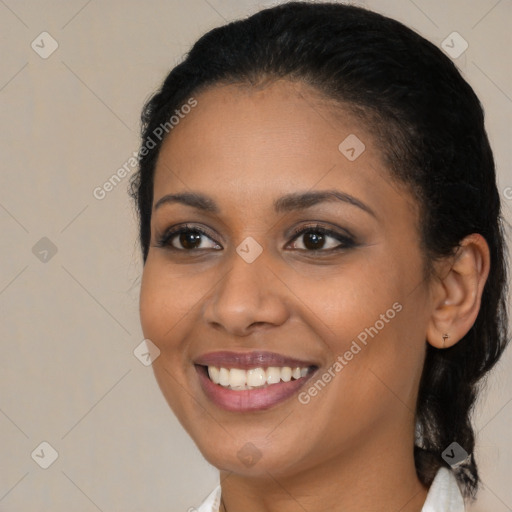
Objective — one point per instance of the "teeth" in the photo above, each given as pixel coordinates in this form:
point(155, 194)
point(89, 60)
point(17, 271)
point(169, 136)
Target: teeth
point(256, 377)
point(286, 374)
point(214, 373)
point(273, 375)
point(223, 377)
point(238, 379)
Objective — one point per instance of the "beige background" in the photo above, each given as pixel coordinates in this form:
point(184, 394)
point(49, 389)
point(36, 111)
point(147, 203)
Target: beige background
point(70, 324)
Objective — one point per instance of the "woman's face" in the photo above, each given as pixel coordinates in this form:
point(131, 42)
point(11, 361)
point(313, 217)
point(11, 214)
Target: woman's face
point(348, 307)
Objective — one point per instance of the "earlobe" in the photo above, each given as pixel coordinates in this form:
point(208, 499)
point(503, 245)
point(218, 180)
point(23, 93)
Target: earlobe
point(457, 293)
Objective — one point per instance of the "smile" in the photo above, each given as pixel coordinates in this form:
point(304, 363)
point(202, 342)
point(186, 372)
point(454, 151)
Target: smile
point(254, 381)
point(238, 379)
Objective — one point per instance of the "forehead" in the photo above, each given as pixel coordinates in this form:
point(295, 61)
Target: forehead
point(247, 142)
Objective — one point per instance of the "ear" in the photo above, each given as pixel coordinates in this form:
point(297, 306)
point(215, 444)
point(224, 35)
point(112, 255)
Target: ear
point(457, 292)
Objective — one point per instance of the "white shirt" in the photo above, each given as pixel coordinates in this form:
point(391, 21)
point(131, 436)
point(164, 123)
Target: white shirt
point(443, 496)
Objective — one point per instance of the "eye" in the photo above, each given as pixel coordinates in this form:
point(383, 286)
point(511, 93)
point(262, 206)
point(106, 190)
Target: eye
point(190, 238)
point(316, 237)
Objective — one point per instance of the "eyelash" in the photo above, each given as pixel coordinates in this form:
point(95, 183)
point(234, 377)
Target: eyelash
point(346, 242)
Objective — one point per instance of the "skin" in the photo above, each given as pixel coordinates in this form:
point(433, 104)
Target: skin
point(351, 447)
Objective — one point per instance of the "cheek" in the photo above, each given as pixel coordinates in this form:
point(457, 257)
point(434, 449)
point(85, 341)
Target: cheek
point(156, 305)
point(376, 325)
point(164, 303)
point(345, 300)
point(166, 298)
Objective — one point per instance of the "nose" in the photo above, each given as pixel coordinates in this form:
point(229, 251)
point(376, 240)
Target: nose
point(247, 298)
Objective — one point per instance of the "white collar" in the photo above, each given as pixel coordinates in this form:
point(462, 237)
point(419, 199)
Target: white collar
point(443, 496)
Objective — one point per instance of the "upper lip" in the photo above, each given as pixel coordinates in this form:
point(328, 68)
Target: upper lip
point(248, 360)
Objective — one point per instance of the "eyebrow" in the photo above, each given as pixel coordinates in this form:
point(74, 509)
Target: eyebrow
point(286, 203)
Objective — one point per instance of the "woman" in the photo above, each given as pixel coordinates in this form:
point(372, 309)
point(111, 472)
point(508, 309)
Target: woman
point(323, 261)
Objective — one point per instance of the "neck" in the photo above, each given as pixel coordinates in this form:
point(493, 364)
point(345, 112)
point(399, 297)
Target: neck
point(379, 475)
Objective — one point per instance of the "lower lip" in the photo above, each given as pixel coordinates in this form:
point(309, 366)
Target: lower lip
point(249, 399)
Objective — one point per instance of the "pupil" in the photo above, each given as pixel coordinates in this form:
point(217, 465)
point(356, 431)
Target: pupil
point(189, 239)
point(316, 238)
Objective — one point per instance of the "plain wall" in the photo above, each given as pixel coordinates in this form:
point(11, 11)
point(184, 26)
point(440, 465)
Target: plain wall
point(70, 324)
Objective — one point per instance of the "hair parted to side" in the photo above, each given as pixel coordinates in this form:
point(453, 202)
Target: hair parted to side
point(429, 125)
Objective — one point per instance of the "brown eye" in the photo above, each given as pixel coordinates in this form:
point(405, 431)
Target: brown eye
point(190, 240)
point(318, 238)
point(313, 241)
point(187, 239)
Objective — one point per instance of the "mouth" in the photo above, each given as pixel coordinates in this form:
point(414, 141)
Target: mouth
point(254, 381)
